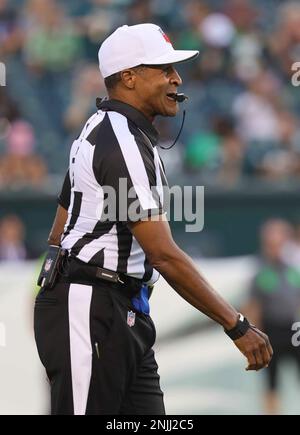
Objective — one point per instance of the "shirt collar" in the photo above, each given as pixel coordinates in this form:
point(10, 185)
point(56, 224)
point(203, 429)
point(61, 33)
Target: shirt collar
point(137, 117)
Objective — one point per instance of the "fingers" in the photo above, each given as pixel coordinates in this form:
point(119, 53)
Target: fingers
point(252, 362)
point(268, 349)
point(267, 341)
point(256, 360)
point(256, 347)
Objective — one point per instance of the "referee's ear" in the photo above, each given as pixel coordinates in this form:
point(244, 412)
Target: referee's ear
point(128, 78)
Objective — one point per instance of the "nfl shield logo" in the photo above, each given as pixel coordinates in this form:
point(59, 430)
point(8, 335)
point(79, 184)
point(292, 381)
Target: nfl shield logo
point(48, 265)
point(130, 318)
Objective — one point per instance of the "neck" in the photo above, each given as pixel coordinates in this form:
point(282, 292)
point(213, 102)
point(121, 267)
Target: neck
point(132, 101)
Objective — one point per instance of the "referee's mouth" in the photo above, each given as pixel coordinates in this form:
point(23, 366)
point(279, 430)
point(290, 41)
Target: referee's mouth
point(172, 96)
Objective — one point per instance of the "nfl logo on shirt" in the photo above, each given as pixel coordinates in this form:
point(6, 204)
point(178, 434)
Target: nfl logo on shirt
point(130, 318)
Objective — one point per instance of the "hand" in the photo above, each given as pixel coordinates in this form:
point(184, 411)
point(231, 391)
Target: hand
point(256, 347)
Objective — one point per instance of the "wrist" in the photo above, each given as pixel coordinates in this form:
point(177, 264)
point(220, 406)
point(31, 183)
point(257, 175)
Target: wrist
point(232, 322)
point(240, 329)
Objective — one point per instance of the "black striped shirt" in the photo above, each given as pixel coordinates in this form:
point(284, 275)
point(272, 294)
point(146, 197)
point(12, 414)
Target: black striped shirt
point(117, 142)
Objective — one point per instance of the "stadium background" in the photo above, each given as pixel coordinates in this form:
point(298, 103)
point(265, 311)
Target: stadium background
point(241, 140)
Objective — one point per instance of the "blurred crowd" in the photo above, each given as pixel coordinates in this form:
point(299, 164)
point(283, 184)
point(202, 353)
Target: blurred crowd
point(242, 115)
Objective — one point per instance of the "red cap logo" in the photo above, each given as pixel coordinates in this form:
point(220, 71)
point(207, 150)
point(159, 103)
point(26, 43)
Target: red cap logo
point(166, 38)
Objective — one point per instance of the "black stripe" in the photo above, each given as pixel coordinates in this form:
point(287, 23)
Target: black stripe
point(124, 246)
point(148, 270)
point(163, 177)
point(98, 258)
point(65, 194)
point(166, 192)
point(162, 163)
point(108, 150)
point(92, 137)
point(99, 230)
point(75, 212)
point(147, 154)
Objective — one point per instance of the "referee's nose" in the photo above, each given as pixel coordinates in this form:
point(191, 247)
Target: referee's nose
point(175, 78)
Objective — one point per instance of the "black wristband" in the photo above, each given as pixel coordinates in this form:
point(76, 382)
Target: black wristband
point(240, 328)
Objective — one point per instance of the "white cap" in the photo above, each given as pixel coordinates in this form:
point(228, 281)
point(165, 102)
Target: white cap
point(142, 44)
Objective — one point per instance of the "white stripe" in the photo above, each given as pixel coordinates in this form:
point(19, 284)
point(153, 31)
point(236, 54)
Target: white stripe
point(133, 160)
point(135, 263)
point(108, 241)
point(82, 226)
point(80, 344)
point(154, 277)
point(92, 194)
point(72, 196)
point(91, 124)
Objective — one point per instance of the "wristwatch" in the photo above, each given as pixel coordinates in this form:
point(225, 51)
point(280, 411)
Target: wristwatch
point(240, 328)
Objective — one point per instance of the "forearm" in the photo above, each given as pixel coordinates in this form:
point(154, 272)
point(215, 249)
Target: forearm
point(58, 226)
point(180, 272)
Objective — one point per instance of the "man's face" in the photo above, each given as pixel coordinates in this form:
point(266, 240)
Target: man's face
point(152, 86)
point(274, 237)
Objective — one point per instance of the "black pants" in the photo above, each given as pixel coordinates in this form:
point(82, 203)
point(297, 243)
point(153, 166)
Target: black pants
point(95, 361)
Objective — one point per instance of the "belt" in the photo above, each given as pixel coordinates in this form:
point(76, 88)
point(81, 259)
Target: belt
point(79, 272)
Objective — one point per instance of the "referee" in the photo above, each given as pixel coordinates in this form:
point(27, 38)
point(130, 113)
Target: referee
point(93, 329)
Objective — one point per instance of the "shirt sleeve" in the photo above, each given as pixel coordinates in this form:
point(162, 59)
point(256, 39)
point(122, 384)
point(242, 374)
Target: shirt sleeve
point(63, 198)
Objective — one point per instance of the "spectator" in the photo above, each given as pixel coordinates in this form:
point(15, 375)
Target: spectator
point(87, 83)
point(217, 154)
point(256, 109)
point(247, 47)
point(51, 48)
point(8, 112)
point(194, 13)
point(52, 43)
point(284, 41)
point(291, 250)
point(139, 11)
point(96, 20)
point(12, 234)
point(282, 160)
point(232, 153)
point(11, 34)
point(20, 166)
point(8, 108)
point(274, 304)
